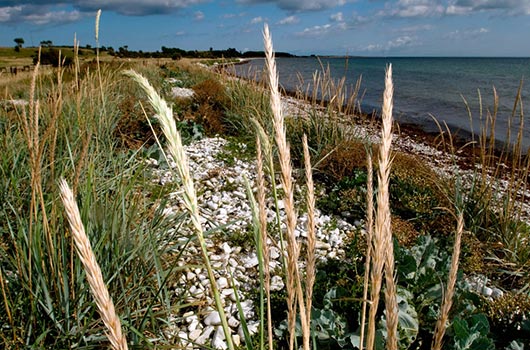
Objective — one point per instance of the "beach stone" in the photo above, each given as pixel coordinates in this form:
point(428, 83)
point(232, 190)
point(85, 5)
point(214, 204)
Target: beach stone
point(277, 283)
point(233, 322)
point(236, 339)
point(497, 293)
point(213, 319)
point(487, 291)
point(181, 92)
point(195, 334)
point(218, 339)
point(205, 335)
point(250, 261)
point(222, 283)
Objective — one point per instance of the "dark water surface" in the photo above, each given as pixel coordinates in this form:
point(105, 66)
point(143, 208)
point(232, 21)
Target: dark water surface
point(423, 86)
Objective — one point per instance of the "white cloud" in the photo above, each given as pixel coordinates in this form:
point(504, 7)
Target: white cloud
point(466, 33)
point(124, 7)
point(289, 20)
point(10, 12)
point(400, 42)
point(337, 17)
point(180, 33)
point(357, 20)
point(512, 7)
point(413, 8)
point(316, 30)
point(256, 20)
point(392, 45)
point(233, 15)
point(298, 5)
point(198, 15)
point(415, 29)
point(432, 8)
point(39, 15)
point(321, 30)
point(53, 17)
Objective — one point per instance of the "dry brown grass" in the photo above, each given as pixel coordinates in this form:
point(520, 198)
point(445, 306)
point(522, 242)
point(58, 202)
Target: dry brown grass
point(260, 182)
point(369, 238)
point(441, 323)
point(211, 98)
point(311, 232)
point(343, 159)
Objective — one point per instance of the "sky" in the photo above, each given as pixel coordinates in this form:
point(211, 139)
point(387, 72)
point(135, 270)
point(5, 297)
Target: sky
point(322, 27)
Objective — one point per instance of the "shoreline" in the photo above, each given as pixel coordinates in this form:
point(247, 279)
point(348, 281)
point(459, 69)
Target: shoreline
point(428, 127)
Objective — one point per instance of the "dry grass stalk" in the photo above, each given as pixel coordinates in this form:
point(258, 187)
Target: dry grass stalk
point(260, 179)
point(383, 205)
point(96, 29)
point(369, 234)
point(294, 285)
point(441, 323)
point(383, 252)
point(4, 296)
point(92, 269)
point(36, 148)
point(311, 233)
point(176, 149)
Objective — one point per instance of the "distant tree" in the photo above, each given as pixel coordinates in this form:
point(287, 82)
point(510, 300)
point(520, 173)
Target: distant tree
point(46, 43)
point(19, 42)
point(88, 46)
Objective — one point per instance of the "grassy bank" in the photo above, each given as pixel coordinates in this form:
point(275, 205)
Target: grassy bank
point(424, 237)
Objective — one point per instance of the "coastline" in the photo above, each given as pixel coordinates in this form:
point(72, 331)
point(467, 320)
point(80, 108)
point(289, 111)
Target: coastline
point(417, 99)
point(431, 147)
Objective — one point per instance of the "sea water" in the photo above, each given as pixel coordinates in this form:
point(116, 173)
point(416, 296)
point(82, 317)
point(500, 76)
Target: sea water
point(425, 88)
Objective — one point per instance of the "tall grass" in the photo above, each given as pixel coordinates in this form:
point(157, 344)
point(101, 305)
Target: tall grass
point(495, 193)
point(66, 131)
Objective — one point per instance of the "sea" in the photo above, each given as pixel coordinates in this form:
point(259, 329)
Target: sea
point(447, 89)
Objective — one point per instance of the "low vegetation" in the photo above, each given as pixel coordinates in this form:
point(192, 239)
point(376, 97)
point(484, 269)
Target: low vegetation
point(405, 281)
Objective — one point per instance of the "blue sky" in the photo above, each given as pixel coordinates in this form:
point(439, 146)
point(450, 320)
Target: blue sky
point(339, 27)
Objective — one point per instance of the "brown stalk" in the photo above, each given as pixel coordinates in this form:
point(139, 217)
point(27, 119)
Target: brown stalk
point(441, 323)
point(311, 234)
point(369, 234)
point(92, 269)
point(260, 179)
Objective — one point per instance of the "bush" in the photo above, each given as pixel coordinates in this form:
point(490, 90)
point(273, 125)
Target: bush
point(210, 103)
point(53, 57)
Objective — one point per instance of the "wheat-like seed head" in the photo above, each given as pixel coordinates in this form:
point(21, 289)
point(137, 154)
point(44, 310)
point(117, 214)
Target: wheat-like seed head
point(93, 271)
point(294, 283)
point(383, 252)
point(441, 323)
point(98, 15)
point(383, 206)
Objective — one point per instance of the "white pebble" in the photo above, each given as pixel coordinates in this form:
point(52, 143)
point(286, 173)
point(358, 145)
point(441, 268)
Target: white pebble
point(213, 319)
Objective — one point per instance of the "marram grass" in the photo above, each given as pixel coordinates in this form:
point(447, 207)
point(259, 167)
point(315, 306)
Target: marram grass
point(92, 269)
